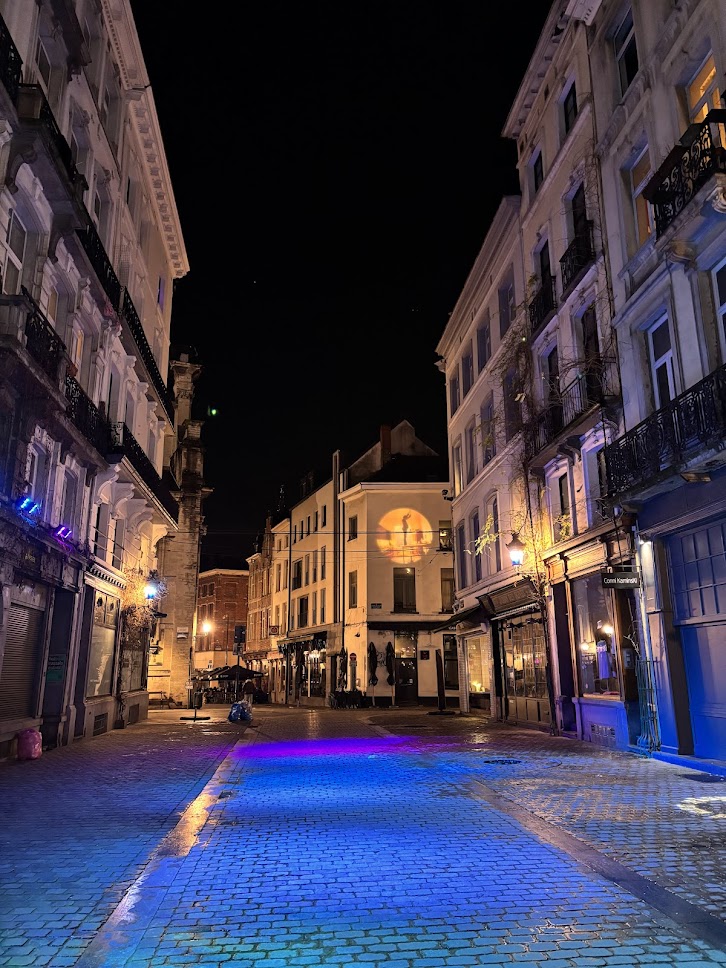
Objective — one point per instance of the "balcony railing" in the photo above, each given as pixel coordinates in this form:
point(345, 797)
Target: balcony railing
point(542, 304)
point(700, 153)
point(584, 393)
point(41, 340)
point(33, 106)
point(124, 442)
point(10, 62)
point(693, 422)
point(128, 311)
point(86, 416)
point(93, 247)
point(579, 254)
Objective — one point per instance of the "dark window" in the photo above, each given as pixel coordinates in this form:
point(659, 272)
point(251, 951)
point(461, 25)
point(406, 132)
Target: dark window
point(404, 590)
point(496, 551)
point(461, 557)
point(545, 266)
point(303, 612)
point(537, 171)
point(447, 589)
point(512, 404)
point(297, 573)
point(352, 527)
point(474, 551)
point(626, 52)
point(484, 343)
point(569, 108)
point(467, 370)
point(325, 514)
point(451, 663)
point(454, 393)
point(506, 303)
point(488, 430)
point(563, 525)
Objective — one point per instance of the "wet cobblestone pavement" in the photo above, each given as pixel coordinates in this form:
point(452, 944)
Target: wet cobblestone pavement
point(370, 837)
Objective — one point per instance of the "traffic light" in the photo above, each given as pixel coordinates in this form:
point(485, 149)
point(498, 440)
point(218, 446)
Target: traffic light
point(240, 634)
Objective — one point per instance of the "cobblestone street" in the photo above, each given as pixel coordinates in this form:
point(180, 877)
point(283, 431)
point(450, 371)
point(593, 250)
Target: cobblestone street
point(335, 837)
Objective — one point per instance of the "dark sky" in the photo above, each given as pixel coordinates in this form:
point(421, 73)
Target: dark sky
point(335, 166)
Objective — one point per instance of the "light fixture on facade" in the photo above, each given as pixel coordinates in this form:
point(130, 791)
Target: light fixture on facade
point(605, 627)
point(206, 627)
point(516, 549)
point(694, 477)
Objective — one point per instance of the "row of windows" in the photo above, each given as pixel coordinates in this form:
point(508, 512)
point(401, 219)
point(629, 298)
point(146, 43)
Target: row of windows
point(317, 520)
point(207, 589)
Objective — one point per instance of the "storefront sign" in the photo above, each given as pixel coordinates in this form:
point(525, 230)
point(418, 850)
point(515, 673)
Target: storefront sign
point(55, 670)
point(620, 579)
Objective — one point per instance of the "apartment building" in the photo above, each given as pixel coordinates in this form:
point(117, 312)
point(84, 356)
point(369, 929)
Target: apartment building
point(659, 71)
point(364, 562)
point(90, 244)
point(222, 605)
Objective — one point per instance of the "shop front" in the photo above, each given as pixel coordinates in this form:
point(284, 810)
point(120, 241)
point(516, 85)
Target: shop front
point(301, 676)
point(522, 677)
point(467, 632)
point(600, 660)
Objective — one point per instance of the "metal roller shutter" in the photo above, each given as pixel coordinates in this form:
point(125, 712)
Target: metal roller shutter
point(21, 662)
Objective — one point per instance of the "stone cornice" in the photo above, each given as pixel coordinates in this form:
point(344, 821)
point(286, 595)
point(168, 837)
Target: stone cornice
point(142, 112)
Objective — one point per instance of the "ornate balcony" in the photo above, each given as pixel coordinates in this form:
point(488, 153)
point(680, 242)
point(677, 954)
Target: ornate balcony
point(579, 256)
point(542, 305)
point(34, 110)
point(100, 263)
point(10, 62)
point(699, 155)
point(128, 312)
point(124, 443)
point(587, 392)
point(86, 416)
point(689, 430)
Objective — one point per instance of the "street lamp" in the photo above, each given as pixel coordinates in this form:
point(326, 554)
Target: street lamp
point(516, 549)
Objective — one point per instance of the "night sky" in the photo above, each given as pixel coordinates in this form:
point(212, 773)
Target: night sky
point(335, 167)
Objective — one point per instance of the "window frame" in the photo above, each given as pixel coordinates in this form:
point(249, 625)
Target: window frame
point(484, 342)
point(353, 588)
point(621, 49)
point(570, 107)
point(636, 194)
point(467, 370)
point(404, 590)
point(666, 359)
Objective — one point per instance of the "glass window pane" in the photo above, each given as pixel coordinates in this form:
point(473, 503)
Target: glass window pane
point(661, 338)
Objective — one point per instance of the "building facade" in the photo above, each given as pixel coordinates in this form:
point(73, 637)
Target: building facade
point(659, 70)
point(90, 247)
point(222, 604)
point(259, 606)
point(347, 539)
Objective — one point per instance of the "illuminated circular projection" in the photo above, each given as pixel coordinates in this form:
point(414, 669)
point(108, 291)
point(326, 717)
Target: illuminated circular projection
point(404, 535)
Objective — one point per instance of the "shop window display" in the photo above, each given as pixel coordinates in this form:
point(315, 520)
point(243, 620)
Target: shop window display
point(595, 638)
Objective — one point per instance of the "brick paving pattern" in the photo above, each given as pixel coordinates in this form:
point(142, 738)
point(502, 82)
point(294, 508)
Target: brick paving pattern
point(346, 837)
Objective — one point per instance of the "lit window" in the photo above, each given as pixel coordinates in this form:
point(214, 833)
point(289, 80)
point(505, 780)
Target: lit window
point(639, 175)
point(702, 93)
point(404, 590)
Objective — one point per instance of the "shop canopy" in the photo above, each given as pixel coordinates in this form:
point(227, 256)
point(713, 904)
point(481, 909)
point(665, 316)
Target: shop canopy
point(229, 672)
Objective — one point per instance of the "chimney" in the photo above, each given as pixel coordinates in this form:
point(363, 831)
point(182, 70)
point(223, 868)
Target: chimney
point(385, 444)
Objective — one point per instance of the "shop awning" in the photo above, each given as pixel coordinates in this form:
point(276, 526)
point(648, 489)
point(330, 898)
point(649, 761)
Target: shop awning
point(474, 616)
point(305, 642)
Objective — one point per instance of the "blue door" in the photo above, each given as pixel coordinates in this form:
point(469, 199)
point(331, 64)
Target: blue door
point(704, 650)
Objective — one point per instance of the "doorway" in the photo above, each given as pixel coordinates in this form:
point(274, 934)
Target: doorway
point(406, 669)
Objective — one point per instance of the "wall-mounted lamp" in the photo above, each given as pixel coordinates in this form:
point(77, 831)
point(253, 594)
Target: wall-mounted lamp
point(516, 549)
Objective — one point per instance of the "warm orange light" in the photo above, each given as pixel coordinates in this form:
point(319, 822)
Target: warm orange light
point(404, 535)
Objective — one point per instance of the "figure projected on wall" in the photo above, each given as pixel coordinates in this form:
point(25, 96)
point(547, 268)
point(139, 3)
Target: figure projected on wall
point(404, 535)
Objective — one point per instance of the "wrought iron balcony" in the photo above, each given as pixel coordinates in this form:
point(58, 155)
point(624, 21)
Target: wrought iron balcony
point(93, 247)
point(128, 311)
point(699, 155)
point(41, 340)
point(10, 62)
point(579, 254)
point(33, 107)
point(691, 424)
point(86, 416)
point(588, 390)
point(123, 442)
point(542, 305)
